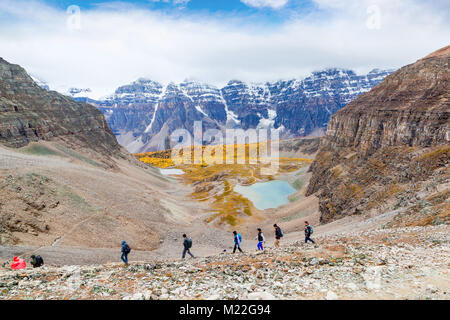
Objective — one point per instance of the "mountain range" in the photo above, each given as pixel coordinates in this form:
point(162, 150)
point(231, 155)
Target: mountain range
point(144, 113)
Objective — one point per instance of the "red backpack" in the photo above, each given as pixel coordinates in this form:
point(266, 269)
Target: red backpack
point(18, 264)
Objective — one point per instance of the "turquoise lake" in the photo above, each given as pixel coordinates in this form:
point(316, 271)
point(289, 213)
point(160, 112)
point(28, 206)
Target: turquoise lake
point(265, 195)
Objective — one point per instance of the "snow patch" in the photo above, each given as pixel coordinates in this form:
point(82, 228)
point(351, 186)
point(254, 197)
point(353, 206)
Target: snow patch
point(231, 116)
point(199, 109)
point(149, 127)
point(266, 123)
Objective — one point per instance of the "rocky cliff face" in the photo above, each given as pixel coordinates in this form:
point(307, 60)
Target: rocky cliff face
point(30, 113)
point(143, 113)
point(389, 142)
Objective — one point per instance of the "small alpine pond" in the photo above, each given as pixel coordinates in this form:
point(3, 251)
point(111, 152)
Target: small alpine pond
point(265, 195)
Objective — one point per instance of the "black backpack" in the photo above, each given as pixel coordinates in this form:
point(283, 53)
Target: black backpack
point(189, 243)
point(39, 261)
point(260, 237)
point(127, 249)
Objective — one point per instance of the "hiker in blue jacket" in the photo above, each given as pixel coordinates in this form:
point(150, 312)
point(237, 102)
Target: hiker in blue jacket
point(237, 242)
point(125, 251)
point(308, 232)
point(187, 243)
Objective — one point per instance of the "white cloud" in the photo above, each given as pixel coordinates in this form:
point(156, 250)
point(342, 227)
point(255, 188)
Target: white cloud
point(115, 47)
point(275, 4)
point(176, 2)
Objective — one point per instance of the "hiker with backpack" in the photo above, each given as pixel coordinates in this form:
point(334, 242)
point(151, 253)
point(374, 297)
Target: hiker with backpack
point(237, 241)
point(278, 235)
point(261, 239)
point(125, 251)
point(187, 243)
point(37, 261)
point(308, 232)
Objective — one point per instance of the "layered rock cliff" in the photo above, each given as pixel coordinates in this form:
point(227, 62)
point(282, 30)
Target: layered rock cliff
point(30, 113)
point(388, 143)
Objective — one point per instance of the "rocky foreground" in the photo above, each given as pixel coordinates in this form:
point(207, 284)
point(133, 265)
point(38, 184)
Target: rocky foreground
point(408, 263)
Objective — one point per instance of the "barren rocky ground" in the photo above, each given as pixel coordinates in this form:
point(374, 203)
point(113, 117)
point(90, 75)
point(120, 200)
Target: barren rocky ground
point(406, 263)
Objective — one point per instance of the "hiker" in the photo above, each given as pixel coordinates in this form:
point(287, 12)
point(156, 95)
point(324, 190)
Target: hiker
point(125, 251)
point(278, 235)
point(308, 232)
point(187, 246)
point(237, 241)
point(36, 262)
point(261, 239)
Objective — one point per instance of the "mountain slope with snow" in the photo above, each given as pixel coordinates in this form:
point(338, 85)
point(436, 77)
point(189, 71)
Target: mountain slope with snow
point(144, 113)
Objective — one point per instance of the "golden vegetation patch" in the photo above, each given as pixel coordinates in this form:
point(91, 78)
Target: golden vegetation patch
point(160, 159)
point(253, 153)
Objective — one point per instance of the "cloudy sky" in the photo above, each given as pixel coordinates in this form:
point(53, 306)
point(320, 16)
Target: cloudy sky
point(101, 45)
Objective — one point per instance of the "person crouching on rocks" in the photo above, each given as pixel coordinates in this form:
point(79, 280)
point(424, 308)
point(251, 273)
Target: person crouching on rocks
point(237, 242)
point(187, 243)
point(308, 232)
point(125, 251)
point(37, 262)
point(261, 239)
